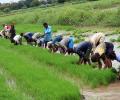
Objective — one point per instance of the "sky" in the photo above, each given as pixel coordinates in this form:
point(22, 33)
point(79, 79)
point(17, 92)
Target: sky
point(7, 1)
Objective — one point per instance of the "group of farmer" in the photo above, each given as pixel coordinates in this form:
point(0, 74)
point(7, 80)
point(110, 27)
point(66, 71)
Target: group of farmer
point(95, 49)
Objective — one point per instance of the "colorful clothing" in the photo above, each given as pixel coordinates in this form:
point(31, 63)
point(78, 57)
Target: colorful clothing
point(28, 35)
point(71, 42)
point(100, 49)
point(57, 39)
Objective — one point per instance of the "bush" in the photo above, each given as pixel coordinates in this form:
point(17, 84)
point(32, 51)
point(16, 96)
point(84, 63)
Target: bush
point(6, 10)
point(61, 1)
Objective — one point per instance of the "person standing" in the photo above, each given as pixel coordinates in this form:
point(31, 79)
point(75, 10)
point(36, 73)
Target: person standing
point(47, 33)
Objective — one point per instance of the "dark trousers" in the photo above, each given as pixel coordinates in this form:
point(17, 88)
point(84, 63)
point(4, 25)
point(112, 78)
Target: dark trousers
point(46, 43)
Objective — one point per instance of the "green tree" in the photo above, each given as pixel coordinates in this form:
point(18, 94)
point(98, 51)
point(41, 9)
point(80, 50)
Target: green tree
point(34, 3)
point(27, 3)
point(61, 1)
point(6, 10)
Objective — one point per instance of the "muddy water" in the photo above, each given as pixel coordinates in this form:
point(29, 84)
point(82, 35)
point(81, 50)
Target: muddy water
point(112, 92)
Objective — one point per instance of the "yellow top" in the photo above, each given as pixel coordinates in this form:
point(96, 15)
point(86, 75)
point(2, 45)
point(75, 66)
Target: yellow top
point(98, 37)
point(100, 49)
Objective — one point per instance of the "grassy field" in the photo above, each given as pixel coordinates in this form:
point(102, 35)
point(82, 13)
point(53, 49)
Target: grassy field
point(30, 73)
point(87, 74)
point(32, 78)
point(98, 13)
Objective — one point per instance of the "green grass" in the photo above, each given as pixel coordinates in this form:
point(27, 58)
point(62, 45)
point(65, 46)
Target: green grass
point(39, 28)
point(33, 78)
point(88, 75)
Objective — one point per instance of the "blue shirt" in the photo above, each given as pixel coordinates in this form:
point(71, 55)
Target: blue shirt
point(48, 33)
point(57, 39)
point(71, 42)
point(83, 47)
point(29, 35)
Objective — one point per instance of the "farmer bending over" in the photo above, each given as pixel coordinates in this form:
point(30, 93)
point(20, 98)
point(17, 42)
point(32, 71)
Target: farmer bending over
point(53, 44)
point(96, 39)
point(99, 54)
point(83, 49)
point(28, 37)
point(63, 44)
point(18, 39)
point(109, 53)
point(35, 37)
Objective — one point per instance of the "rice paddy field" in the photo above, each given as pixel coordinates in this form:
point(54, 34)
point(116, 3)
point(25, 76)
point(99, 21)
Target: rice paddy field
point(29, 73)
point(32, 73)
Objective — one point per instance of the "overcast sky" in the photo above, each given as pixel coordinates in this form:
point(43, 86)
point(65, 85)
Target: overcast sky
point(6, 1)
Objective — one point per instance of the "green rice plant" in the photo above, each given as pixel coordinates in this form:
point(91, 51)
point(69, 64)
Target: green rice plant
point(6, 93)
point(116, 31)
point(116, 40)
point(88, 75)
point(34, 78)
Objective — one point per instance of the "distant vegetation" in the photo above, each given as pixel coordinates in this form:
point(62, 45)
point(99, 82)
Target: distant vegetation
point(7, 7)
point(96, 13)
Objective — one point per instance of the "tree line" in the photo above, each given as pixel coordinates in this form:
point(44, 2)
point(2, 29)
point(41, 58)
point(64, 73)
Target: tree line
point(22, 4)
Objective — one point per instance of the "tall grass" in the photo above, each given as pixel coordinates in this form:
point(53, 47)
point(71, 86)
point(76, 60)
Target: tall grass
point(83, 14)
